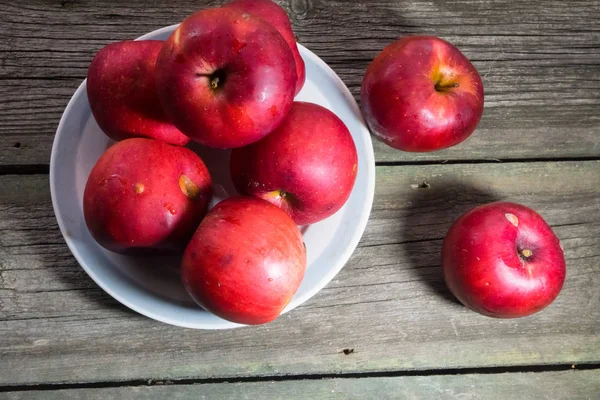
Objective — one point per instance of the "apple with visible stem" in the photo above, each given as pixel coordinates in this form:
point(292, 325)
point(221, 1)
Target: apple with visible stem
point(245, 261)
point(226, 78)
point(121, 90)
point(307, 166)
point(274, 14)
point(144, 196)
point(503, 260)
point(421, 94)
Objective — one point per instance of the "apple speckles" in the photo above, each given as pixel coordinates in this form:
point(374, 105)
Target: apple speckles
point(512, 218)
point(273, 110)
point(112, 178)
point(139, 188)
point(238, 46)
point(170, 207)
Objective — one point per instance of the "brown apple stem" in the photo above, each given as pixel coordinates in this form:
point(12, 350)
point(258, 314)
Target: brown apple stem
point(442, 88)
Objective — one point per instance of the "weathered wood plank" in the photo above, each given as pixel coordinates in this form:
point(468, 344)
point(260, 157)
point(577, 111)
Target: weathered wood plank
point(571, 385)
point(542, 94)
point(389, 303)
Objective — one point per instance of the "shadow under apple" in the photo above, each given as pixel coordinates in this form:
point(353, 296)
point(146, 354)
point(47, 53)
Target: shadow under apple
point(434, 206)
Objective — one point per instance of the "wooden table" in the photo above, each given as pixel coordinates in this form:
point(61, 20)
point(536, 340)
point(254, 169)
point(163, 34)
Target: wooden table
point(386, 326)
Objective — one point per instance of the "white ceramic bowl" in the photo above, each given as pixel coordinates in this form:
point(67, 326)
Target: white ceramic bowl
point(151, 286)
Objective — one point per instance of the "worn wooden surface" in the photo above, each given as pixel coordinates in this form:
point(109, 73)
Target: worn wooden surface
point(565, 385)
point(539, 61)
point(389, 303)
point(388, 313)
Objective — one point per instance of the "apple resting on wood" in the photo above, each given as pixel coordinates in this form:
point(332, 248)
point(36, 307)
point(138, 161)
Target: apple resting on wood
point(421, 94)
point(245, 261)
point(276, 16)
point(145, 196)
point(503, 260)
point(122, 94)
point(226, 78)
point(307, 166)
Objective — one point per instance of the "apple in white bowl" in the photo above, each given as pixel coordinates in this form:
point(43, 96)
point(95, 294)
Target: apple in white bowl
point(307, 166)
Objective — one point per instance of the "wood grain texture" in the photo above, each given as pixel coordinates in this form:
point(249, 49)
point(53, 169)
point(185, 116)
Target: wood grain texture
point(539, 62)
point(571, 385)
point(389, 303)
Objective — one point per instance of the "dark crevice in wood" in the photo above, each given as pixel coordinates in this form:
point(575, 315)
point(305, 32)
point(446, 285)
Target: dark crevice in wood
point(31, 169)
point(573, 224)
point(389, 265)
point(355, 303)
point(77, 317)
point(399, 243)
point(279, 378)
point(483, 161)
point(333, 287)
point(38, 169)
point(41, 78)
point(50, 290)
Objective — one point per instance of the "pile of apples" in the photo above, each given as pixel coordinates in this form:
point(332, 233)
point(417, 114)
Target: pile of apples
point(226, 78)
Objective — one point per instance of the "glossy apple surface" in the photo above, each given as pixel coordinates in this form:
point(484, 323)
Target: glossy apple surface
point(226, 78)
point(276, 16)
point(122, 94)
point(145, 196)
point(245, 261)
point(307, 166)
point(421, 94)
point(503, 260)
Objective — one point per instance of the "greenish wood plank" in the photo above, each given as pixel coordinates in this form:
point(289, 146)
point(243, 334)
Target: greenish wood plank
point(540, 73)
point(568, 385)
point(389, 303)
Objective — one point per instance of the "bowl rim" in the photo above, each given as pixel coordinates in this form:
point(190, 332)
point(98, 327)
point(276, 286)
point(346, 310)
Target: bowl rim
point(297, 299)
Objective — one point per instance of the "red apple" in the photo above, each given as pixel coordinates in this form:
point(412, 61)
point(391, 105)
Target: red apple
point(122, 93)
point(307, 166)
point(276, 16)
point(146, 196)
point(503, 260)
point(422, 94)
point(245, 261)
point(226, 78)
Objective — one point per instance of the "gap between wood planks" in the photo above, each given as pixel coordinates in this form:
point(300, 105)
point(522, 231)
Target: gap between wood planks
point(41, 169)
point(279, 378)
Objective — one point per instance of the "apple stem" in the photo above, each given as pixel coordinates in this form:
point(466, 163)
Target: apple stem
point(215, 80)
point(442, 88)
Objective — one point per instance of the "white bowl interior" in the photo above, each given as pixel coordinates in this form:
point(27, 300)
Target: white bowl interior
point(151, 285)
